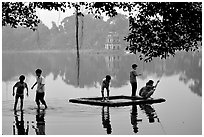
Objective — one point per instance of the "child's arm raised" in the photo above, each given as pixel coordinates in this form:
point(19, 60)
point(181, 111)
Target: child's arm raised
point(33, 85)
point(156, 83)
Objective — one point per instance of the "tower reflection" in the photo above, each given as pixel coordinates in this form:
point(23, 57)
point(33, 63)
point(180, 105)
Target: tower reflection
point(106, 119)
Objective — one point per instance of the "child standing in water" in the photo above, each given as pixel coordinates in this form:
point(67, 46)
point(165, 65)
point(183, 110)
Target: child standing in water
point(20, 85)
point(133, 79)
point(40, 92)
point(105, 85)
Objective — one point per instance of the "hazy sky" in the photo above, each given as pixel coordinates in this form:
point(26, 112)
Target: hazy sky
point(57, 16)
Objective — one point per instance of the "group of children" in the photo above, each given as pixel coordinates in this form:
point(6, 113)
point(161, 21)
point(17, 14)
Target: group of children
point(144, 92)
point(21, 85)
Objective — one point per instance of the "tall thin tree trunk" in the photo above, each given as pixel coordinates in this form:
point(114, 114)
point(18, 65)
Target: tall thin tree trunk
point(77, 30)
point(82, 31)
point(77, 45)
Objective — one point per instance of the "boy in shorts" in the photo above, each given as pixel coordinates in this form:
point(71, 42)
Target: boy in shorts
point(20, 85)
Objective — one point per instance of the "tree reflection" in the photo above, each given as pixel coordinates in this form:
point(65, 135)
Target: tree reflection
point(92, 67)
point(106, 119)
point(19, 125)
point(192, 70)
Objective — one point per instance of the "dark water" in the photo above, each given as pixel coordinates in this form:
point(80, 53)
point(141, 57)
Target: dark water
point(66, 77)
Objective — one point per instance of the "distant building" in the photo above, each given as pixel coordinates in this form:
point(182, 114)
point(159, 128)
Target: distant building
point(113, 41)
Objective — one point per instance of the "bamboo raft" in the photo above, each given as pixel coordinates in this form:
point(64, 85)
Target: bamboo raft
point(116, 101)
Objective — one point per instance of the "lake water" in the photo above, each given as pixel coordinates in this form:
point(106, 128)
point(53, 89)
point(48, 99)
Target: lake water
point(66, 77)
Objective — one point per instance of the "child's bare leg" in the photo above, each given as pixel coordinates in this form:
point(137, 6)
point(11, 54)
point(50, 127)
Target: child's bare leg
point(107, 94)
point(37, 100)
point(15, 104)
point(21, 104)
point(43, 102)
point(102, 93)
point(38, 103)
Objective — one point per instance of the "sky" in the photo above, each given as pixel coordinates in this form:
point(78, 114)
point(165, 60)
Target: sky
point(47, 16)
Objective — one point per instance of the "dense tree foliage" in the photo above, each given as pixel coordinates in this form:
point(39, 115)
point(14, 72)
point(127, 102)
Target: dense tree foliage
point(24, 14)
point(159, 29)
point(163, 28)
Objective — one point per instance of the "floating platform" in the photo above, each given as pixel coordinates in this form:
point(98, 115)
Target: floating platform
point(116, 101)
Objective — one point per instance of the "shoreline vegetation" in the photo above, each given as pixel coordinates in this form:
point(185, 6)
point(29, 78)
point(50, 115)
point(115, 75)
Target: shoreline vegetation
point(83, 51)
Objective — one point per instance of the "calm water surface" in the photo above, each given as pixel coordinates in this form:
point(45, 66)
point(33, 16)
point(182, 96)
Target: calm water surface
point(66, 78)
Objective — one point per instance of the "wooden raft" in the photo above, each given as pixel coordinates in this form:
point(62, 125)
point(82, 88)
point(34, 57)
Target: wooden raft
point(114, 103)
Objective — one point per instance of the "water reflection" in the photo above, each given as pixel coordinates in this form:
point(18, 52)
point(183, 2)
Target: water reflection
point(106, 119)
point(113, 63)
point(19, 125)
point(151, 114)
point(40, 122)
point(149, 111)
point(134, 118)
point(90, 68)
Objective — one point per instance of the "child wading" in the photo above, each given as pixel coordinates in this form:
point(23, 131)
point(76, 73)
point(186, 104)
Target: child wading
point(105, 84)
point(40, 92)
point(133, 79)
point(148, 90)
point(20, 85)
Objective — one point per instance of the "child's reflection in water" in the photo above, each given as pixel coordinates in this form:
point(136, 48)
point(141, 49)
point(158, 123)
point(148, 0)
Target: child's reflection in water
point(134, 118)
point(150, 112)
point(106, 119)
point(40, 125)
point(19, 125)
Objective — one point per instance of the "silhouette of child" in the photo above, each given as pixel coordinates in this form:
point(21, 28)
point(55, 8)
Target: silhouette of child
point(148, 90)
point(133, 79)
point(105, 85)
point(20, 85)
point(40, 92)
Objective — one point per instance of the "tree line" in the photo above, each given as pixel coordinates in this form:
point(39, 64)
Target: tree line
point(156, 29)
point(91, 36)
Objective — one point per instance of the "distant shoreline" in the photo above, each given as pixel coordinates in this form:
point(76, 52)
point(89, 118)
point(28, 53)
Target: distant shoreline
point(56, 51)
